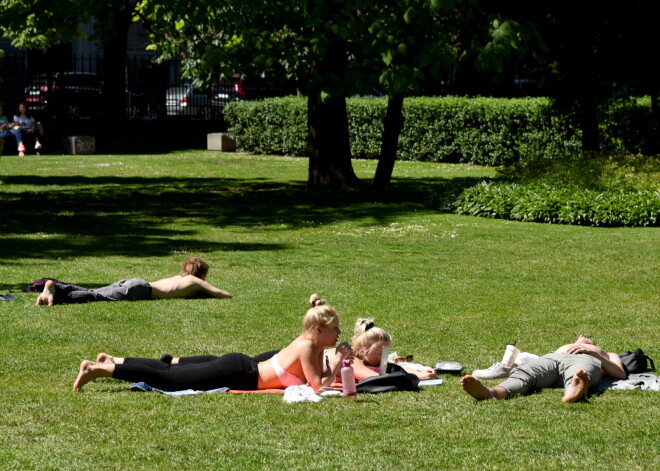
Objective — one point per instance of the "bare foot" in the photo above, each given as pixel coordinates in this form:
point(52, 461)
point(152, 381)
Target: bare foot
point(47, 296)
point(474, 388)
point(104, 358)
point(577, 388)
point(90, 371)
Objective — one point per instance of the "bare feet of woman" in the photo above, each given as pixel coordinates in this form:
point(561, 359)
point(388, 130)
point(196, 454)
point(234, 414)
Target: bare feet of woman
point(47, 296)
point(577, 388)
point(104, 358)
point(474, 388)
point(90, 371)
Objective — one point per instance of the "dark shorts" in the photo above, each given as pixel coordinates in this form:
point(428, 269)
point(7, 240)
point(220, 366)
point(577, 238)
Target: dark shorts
point(133, 289)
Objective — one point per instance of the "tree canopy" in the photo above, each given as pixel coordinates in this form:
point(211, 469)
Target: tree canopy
point(40, 24)
point(330, 49)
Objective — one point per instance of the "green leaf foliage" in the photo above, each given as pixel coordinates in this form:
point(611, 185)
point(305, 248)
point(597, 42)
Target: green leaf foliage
point(561, 205)
point(594, 190)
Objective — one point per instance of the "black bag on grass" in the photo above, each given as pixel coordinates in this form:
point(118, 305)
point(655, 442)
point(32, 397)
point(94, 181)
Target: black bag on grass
point(636, 362)
point(398, 381)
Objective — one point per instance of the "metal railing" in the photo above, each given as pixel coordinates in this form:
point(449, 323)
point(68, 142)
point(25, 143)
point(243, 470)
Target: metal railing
point(73, 88)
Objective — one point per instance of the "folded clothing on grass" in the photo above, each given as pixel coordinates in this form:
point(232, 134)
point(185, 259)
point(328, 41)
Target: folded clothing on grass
point(642, 381)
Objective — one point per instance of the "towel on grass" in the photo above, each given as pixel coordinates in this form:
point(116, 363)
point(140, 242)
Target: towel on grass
point(642, 381)
point(144, 387)
point(301, 393)
point(431, 382)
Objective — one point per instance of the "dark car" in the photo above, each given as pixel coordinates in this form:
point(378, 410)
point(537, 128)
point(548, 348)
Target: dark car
point(75, 95)
point(65, 95)
point(186, 100)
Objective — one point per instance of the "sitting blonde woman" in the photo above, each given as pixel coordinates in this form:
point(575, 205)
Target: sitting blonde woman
point(300, 362)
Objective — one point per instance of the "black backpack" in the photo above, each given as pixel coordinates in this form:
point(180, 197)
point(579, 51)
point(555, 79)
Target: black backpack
point(397, 381)
point(636, 362)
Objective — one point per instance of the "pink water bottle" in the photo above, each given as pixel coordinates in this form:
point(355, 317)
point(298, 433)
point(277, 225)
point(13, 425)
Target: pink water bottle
point(347, 379)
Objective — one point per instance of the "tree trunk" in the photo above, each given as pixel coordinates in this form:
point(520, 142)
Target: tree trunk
point(586, 85)
point(329, 149)
point(654, 147)
point(114, 71)
point(330, 164)
point(392, 126)
point(589, 123)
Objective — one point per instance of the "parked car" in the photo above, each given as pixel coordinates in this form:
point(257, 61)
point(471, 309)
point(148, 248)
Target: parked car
point(186, 100)
point(75, 95)
point(67, 94)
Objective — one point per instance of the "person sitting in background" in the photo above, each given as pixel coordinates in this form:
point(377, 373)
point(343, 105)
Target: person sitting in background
point(298, 363)
point(190, 282)
point(576, 366)
point(6, 129)
point(27, 126)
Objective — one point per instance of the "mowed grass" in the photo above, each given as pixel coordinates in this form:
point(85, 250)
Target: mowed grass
point(447, 287)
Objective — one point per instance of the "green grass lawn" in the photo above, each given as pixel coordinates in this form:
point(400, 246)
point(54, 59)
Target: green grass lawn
point(447, 287)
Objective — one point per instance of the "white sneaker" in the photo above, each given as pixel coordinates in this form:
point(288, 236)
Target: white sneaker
point(38, 145)
point(496, 370)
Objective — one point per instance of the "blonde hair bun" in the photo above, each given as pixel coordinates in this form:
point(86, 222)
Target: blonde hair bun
point(363, 324)
point(314, 300)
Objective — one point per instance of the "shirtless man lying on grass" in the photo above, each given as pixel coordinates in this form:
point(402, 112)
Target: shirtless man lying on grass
point(191, 282)
point(576, 366)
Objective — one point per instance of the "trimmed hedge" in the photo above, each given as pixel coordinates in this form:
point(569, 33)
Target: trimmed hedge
point(486, 131)
point(276, 126)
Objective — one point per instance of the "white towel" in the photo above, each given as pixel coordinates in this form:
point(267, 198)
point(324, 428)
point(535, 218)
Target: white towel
point(301, 393)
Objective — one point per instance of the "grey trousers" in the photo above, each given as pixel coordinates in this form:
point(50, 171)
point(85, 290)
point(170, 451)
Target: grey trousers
point(553, 370)
point(134, 289)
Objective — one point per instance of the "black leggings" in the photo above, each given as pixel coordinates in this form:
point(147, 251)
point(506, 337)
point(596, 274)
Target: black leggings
point(204, 358)
point(233, 371)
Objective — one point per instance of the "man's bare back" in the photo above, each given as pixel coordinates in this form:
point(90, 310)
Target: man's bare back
point(184, 287)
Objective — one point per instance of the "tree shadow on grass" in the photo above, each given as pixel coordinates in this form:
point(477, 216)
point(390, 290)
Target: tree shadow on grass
point(136, 216)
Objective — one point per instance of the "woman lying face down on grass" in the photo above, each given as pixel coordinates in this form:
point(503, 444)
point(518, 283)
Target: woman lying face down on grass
point(367, 343)
point(298, 363)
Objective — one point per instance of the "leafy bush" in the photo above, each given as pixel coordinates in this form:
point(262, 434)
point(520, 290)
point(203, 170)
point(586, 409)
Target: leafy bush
point(544, 203)
point(594, 190)
point(628, 124)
